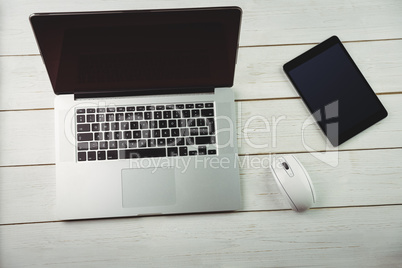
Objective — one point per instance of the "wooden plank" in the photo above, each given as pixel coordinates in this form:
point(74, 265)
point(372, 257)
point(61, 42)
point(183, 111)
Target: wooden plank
point(361, 178)
point(264, 22)
point(269, 126)
point(352, 237)
point(259, 75)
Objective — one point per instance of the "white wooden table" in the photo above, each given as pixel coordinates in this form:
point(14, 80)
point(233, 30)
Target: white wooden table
point(357, 221)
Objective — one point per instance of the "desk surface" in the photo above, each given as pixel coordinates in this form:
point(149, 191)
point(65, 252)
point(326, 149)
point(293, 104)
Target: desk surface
point(357, 220)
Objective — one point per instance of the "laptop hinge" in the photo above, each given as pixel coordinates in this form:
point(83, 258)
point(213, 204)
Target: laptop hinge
point(124, 93)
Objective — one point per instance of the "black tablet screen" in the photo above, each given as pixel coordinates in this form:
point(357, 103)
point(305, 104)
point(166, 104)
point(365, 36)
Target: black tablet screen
point(335, 91)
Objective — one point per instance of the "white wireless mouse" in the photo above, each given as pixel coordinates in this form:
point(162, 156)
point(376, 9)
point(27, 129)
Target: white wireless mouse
point(294, 182)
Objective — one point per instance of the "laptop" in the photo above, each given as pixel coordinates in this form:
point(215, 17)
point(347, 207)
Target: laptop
point(144, 110)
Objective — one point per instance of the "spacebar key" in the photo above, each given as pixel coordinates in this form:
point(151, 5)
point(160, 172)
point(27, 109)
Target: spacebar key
point(142, 153)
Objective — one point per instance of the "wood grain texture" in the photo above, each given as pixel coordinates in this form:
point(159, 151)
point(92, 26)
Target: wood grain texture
point(361, 178)
point(264, 22)
point(349, 237)
point(25, 83)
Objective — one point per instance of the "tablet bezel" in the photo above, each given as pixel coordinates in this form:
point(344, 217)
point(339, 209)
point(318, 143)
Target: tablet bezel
point(360, 126)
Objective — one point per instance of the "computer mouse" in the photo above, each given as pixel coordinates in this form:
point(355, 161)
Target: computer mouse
point(294, 182)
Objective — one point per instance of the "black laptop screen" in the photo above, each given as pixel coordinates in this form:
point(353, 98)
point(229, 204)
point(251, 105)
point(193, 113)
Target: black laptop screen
point(137, 50)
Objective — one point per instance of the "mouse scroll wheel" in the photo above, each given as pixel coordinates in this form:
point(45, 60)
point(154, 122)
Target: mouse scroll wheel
point(285, 165)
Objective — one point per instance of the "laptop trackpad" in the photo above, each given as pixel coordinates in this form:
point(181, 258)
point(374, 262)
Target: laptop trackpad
point(148, 187)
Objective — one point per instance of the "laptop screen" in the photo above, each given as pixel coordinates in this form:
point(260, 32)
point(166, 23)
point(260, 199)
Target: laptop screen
point(139, 50)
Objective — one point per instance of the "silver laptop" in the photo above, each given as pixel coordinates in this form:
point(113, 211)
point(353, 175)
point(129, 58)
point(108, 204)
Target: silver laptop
point(144, 113)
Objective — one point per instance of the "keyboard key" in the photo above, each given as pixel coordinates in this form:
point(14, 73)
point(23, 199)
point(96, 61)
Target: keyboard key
point(189, 106)
point(200, 122)
point(156, 133)
point(138, 115)
point(82, 156)
point(93, 145)
point(191, 122)
point(83, 127)
point(184, 132)
point(100, 110)
point(120, 117)
point(170, 141)
point(205, 140)
point(176, 114)
point(151, 142)
point(98, 136)
point(160, 107)
point(142, 143)
point(172, 123)
point(194, 131)
point(203, 131)
point(130, 109)
point(132, 144)
point(82, 146)
point(157, 115)
point(165, 132)
point(95, 127)
point(103, 145)
point(121, 109)
point(175, 132)
point(112, 155)
point(209, 105)
point(211, 151)
point(199, 105)
point(85, 137)
point(114, 126)
point(190, 141)
point(169, 107)
point(146, 134)
point(100, 117)
point(117, 135)
point(124, 126)
point(162, 123)
point(136, 134)
point(101, 155)
point(183, 151)
point(150, 108)
point(179, 106)
point(112, 144)
point(142, 153)
point(192, 152)
point(122, 144)
point(153, 124)
point(127, 135)
point(143, 125)
point(186, 113)
point(207, 112)
point(81, 118)
point(172, 151)
point(167, 114)
point(80, 111)
point(161, 142)
point(202, 150)
point(140, 108)
point(195, 113)
point(129, 116)
point(91, 156)
point(105, 126)
point(90, 118)
point(109, 117)
point(181, 122)
point(210, 122)
point(108, 135)
point(111, 110)
point(134, 125)
point(91, 110)
point(179, 141)
point(148, 115)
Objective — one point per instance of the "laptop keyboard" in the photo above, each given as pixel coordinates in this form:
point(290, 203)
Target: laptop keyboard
point(143, 131)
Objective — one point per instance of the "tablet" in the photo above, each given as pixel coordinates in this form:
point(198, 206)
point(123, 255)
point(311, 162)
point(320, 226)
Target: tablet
point(335, 91)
